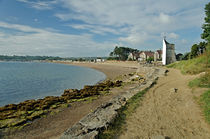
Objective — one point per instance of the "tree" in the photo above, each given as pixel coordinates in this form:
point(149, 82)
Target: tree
point(206, 26)
point(122, 52)
point(194, 51)
point(186, 56)
point(202, 47)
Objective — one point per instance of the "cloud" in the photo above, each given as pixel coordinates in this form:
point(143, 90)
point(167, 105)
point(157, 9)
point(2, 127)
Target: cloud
point(171, 35)
point(135, 22)
point(32, 41)
point(97, 29)
point(165, 19)
point(40, 5)
point(135, 38)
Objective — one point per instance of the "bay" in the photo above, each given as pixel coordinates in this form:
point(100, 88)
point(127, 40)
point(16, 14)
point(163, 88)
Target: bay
point(20, 81)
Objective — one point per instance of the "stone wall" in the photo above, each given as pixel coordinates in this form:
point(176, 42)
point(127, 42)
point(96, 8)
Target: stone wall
point(170, 54)
point(98, 120)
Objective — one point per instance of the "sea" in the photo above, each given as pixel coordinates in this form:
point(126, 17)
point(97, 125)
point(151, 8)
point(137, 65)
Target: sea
point(20, 81)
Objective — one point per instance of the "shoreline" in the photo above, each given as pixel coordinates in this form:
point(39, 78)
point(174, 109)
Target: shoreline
point(111, 70)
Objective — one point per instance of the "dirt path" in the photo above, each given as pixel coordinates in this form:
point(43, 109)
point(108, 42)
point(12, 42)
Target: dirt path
point(164, 112)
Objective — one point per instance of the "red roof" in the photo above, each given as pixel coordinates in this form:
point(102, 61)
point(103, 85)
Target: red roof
point(149, 53)
point(160, 52)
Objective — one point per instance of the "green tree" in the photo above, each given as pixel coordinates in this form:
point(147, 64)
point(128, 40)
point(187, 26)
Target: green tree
point(122, 52)
point(206, 26)
point(194, 51)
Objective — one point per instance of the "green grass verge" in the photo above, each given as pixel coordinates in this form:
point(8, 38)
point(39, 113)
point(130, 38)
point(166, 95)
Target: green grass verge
point(118, 126)
point(205, 103)
point(203, 81)
point(192, 66)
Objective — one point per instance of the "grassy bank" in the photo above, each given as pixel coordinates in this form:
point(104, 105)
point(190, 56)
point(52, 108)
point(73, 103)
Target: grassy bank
point(205, 103)
point(203, 81)
point(192, 66)
point(118, 126)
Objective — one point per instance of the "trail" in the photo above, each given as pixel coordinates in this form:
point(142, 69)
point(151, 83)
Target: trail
point(174, 115)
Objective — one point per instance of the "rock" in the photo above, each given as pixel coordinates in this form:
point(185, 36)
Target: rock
point(173, 90)
point(90, 125)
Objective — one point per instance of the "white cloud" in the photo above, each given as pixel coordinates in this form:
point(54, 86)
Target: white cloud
point(134, 21)
point(97, 29)
point(165, 19)
point(135, 38)
point(45, 42)
point(171, 35)
point(40, 5)
point(152, 17)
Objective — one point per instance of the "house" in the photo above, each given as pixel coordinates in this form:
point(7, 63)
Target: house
point(158, 55)
point(133, 56)
point(144, 55)
point(99, 60)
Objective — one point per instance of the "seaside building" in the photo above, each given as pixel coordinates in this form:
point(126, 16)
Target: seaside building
point(144, 55)
point(158, 55)
point(168, 55)
point(133, 56)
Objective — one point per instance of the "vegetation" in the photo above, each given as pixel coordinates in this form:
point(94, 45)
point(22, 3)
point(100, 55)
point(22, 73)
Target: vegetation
point(205, 103)
point(203, 81)
point(27, 58)
point(150, 59)
point(118, 126)
point(32, 58)
point(19, 115)
point(206, 26)
point(197, 49)
point(121, 53)
point(192, 66)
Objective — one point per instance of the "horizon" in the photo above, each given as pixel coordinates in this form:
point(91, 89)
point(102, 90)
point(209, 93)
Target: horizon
point(93, 28)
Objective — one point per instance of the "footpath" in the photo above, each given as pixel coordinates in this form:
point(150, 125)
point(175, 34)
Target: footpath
point(168, 111)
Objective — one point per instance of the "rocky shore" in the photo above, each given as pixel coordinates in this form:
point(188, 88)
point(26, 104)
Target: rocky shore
point(22, 114)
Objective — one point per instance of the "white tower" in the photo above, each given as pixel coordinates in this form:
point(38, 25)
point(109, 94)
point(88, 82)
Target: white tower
point(164, 52)
point(168, 55)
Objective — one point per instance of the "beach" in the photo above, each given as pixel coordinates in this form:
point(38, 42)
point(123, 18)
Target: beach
point(53, 125)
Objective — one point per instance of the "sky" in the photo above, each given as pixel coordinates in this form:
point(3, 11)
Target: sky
point(83, 28)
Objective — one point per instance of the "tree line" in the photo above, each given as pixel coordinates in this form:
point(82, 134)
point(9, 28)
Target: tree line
point(121, 53)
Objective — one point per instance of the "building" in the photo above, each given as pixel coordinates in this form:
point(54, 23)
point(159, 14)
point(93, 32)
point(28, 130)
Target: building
point(144, 55)
point(133, 56)
point(169, 55)
point(158, 55)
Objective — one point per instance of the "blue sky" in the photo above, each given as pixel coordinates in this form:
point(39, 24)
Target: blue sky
point(77, 28)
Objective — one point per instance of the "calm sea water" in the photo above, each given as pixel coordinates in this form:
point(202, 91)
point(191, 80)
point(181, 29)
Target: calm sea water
point(21, 81)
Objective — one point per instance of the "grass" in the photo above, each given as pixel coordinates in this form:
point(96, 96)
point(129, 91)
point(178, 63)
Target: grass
point(192, 66)
point(118, 126)
point(203, 81)
point(205, 103)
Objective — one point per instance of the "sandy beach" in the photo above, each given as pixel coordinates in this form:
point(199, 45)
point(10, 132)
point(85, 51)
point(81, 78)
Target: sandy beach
point(53, 125)
point(112, 69)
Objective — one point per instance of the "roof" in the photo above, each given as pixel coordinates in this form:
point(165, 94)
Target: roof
point(159, 52)
point(149, 53)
